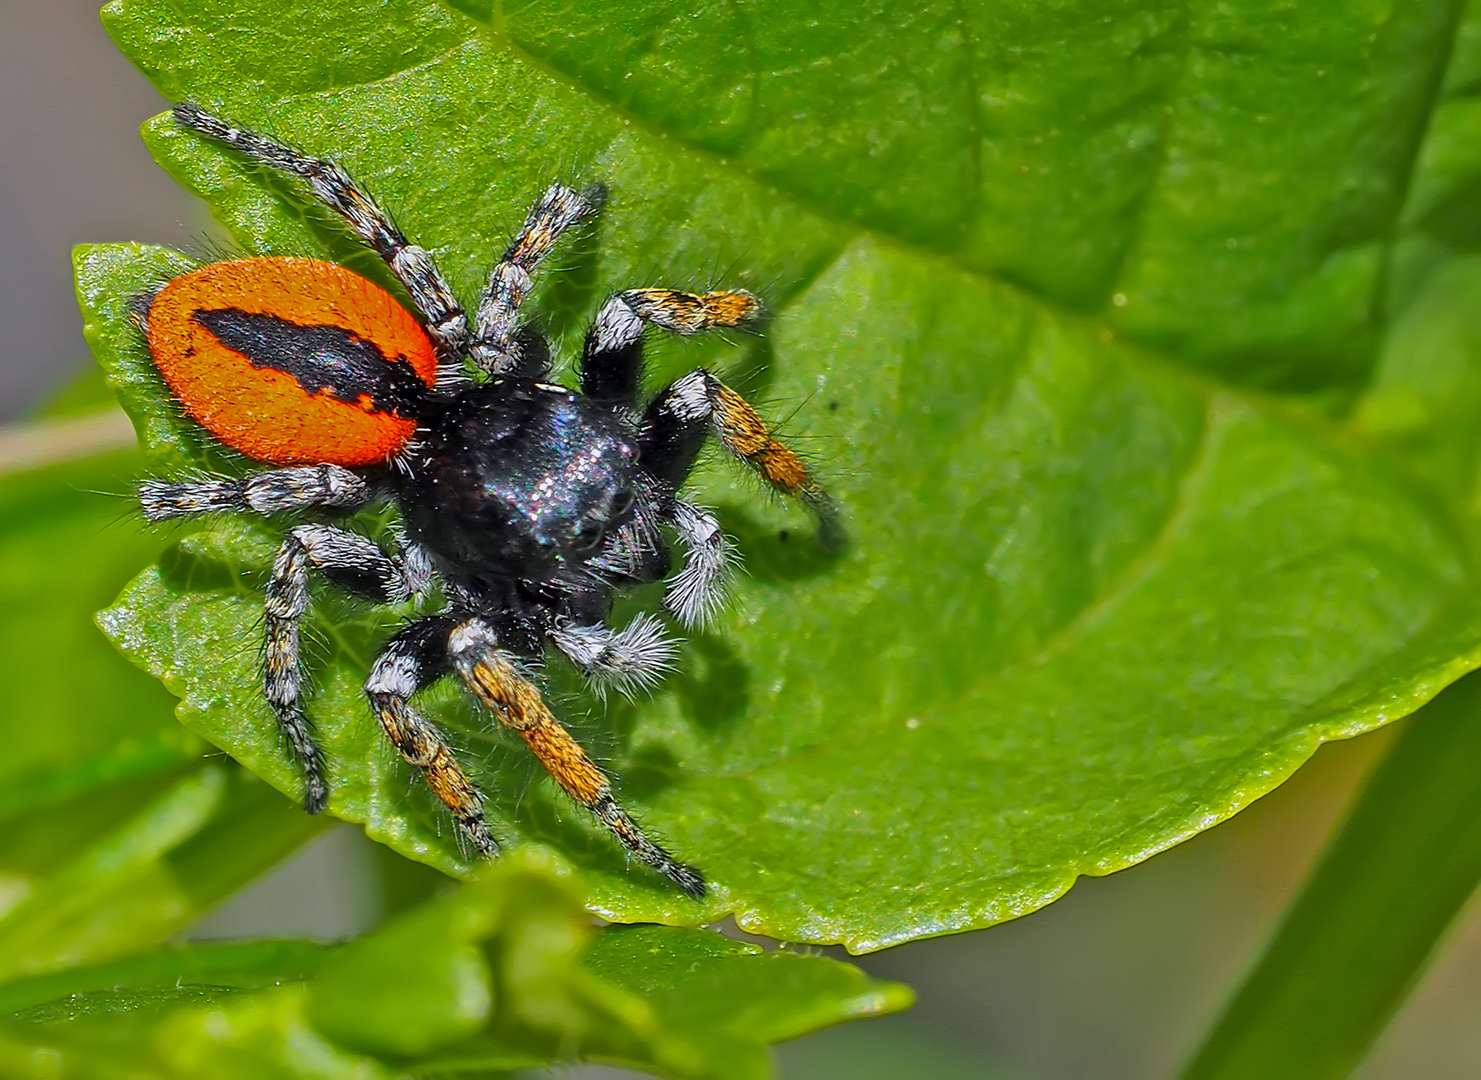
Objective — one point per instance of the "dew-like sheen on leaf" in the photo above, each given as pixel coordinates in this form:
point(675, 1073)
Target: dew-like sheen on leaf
point(1094, 600)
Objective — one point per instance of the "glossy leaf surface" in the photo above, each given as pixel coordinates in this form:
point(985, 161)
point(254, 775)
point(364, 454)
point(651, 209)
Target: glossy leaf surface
point(1023, 266)
point(82, 719)
point(1408, 858)
point(109, 827)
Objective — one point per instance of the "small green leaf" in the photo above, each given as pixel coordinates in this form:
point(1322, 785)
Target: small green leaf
point(249, 965)
point(108, 844)
point(734, 998)
point(1355, 940)
point(258, 1037)
point(414, 985)
point(1092, 602)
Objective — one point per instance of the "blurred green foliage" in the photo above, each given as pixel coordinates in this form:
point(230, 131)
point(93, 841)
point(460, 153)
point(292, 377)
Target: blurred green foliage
point(501, 974)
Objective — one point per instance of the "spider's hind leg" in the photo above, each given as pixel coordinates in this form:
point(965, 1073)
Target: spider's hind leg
point(350, 561)
point(331, 185)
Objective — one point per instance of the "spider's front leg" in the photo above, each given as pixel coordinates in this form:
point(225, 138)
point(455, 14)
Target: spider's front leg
point(353, 563)
point(413, 660)
point(677, 422)
point(495, 680)
point(612, 360)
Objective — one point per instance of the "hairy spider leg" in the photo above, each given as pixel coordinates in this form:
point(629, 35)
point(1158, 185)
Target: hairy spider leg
point(413, 660)
point(495, 346)
point(674, 429)
point(351, 562)
point(305, 487)
point(676, 425)
point(495, 680)
point(413, 266)
point(612, 360)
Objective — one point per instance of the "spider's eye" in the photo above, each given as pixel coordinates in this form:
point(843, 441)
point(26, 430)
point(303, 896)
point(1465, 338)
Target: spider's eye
point(588, 537)
point(622, 503)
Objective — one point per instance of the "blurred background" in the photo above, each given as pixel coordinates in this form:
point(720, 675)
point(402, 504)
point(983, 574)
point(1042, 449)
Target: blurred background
point(1118, 979)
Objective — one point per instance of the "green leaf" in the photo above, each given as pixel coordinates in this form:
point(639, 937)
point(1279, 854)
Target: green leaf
point(1094, 600)
point(180, 1032)
point(1355, 941)
point(1426, 389)
point(82, 718)
point(248, 965)
point(417, 984)
point(502, 974)
point(733, 998)
point(136, 882)
point(99, 850)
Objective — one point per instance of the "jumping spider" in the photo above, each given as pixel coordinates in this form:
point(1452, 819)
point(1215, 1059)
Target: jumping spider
point(532, 504)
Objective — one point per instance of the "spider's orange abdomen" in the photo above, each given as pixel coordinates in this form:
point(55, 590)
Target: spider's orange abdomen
point(292, 361)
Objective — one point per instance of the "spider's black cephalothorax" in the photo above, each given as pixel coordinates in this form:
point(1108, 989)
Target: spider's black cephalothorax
point(530, 503)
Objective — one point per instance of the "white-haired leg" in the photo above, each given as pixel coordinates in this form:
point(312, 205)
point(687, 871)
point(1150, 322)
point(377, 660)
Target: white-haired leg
point(696, 593)
point(352, 562)
point(627, 660)
point(302, 487)
point(494, 345)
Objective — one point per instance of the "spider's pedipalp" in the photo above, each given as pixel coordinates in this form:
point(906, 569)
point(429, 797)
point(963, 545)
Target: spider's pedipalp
point(416, 565)
point(697, 591)
point(495, 347)
point(628, 660)
point(413, 266)
point(414, 659)
point(495, 680)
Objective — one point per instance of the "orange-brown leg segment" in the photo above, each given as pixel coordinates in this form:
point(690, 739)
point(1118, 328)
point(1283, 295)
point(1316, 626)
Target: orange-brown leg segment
point(741, 430)
point(692, 313)
point(612, 362)
point(492, 676)
point(610, 370)
point(677, 421)
point(415, 658)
